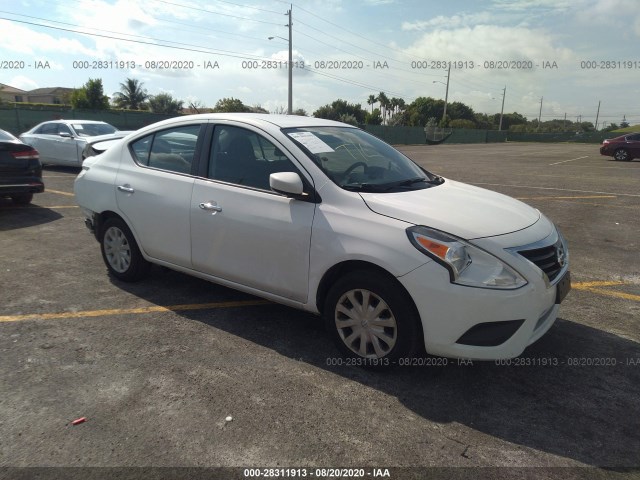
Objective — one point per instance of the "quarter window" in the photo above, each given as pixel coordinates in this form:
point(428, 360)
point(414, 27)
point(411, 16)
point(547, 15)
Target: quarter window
point(243, 157)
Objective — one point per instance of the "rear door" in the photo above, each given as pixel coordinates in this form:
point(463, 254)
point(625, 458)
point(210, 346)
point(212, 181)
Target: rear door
point(44, 140)
point(153, 191)
point(633, 143)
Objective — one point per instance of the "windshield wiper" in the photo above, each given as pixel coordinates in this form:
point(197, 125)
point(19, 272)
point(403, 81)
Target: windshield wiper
point(385, 187)
point(365, 187)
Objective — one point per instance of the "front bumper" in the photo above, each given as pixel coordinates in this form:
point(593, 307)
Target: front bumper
point(479, 323)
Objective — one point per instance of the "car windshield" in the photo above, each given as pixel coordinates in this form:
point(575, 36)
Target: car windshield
point(356, 160)
point(93, 129)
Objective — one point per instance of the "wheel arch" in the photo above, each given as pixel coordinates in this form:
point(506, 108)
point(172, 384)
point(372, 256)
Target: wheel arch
point(348, 266)
point(101, 218)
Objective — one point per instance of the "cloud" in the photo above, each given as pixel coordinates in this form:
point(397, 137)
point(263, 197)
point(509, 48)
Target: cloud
point(23, 83)
point(488, 42)
point(527, 5)
point(454, 21)
point(608, 13)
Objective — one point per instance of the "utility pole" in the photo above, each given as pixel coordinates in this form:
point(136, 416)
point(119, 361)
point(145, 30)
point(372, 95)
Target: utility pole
point(597, 116)
point(446, 97)
point(290, 103)
point(504, 94)
point(540, 114)
point(564, 124)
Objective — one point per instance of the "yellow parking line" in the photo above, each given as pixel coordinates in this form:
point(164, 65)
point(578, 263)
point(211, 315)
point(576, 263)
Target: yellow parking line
point(585, 285)
point(59, 192)
point(130, 311)
point(566, 198)
point(613, 293)
point(595, 287)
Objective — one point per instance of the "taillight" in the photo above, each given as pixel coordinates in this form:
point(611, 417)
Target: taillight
point(26, 154)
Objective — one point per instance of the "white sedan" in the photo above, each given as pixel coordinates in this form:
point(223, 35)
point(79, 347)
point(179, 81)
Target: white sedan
point(62, 142)
point(324, 217)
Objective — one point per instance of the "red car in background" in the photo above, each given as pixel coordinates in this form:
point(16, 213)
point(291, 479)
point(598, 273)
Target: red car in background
point(623, 148)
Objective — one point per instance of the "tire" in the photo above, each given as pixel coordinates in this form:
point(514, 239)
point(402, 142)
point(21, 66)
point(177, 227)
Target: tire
point(390, 331)
point(621, 155)
point(120, 251)
point(22, 198)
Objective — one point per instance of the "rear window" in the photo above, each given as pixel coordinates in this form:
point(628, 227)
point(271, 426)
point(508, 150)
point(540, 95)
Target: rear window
point(6, 136)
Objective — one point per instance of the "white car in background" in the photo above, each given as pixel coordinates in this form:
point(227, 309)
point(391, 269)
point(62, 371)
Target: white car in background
point(63, 142)
point(322, 216)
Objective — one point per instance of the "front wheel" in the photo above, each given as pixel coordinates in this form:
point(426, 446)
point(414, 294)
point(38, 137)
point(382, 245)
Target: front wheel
point(372, 319)
point(120, 251)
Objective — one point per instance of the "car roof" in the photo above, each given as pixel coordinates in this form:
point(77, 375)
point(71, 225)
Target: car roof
point(73, 120)
point(256, 119)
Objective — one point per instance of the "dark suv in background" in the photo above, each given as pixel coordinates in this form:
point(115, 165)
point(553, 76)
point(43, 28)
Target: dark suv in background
point(20, 170)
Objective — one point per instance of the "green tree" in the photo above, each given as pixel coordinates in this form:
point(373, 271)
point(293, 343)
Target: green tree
point(422, 109)
point(300, 111)
point(338, 108)
point(460, 111)
point(165, 103)
point(229, 105)
point(373, 118)
point(462, 123)
point(90, 96)
point(258, 109)
point(131, 95)
point(509, 120)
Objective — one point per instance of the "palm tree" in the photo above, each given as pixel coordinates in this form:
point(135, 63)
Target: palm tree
point(131, 95)
point(384, 104)
point(371, 100)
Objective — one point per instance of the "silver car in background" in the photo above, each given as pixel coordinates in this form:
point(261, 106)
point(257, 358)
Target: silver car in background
point(63, 142)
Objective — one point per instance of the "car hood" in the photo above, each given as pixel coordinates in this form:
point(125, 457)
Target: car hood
point(457, 208)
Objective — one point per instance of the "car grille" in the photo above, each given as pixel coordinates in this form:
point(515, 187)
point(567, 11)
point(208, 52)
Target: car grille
point(547, 259)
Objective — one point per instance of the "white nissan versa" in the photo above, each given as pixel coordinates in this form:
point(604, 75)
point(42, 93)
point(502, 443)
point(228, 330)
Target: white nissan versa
point(325, 217)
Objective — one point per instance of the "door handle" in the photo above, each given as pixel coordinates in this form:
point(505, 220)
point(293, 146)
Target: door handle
point(125, 188)
point(210, 206)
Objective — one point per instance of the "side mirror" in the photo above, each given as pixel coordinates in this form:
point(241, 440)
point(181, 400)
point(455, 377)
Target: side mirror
point(65, 134)
point(287, 183)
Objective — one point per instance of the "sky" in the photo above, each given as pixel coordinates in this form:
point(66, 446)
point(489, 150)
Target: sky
point(563, 55)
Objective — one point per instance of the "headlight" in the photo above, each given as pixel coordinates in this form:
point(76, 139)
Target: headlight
point(467, 264)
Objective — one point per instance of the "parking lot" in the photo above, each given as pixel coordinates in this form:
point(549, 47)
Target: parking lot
point(178, 372)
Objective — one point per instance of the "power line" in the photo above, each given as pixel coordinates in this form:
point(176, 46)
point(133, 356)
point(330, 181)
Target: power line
point(218, 13)
point(350, 31)
point(197, 49)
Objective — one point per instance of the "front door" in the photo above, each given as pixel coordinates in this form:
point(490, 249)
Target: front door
point(242, 231)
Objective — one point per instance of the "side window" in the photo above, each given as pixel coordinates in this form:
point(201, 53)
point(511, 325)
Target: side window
point(63, 128)
point(48, 129)
point(172, 149)
point(245, 158)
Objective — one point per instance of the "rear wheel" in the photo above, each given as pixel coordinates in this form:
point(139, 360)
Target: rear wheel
point(22, 198)
point(372, 319)
point(120, 251)
point(621, 155)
